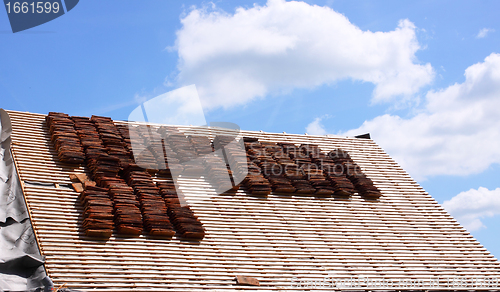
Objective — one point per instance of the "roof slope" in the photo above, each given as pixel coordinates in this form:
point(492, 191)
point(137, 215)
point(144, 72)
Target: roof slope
point(286, 242)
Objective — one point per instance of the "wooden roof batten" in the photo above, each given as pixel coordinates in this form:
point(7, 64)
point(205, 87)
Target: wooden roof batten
point(403, 241)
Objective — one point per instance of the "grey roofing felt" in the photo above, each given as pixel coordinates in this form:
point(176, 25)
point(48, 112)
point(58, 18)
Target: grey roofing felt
point(21, 265)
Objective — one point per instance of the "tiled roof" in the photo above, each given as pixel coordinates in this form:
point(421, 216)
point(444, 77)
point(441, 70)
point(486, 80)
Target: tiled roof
point(287, 242)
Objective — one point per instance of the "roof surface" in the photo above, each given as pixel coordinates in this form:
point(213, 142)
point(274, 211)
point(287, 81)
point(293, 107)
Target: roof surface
point(286, 242)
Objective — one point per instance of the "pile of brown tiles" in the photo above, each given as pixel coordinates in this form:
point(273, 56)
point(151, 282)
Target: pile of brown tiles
point(178, 147)
point(363, 185)
point(168, 193)
point(128, 217)
point(217, 174)
point(112, 139)
point(94, 148)
point(123, 195)
point(146, 146)
point(255, 182)
point(233, 158)
point(124, 132)
point(98, 211)
point(185, 222)
point(87, 132)
point(154, 143)
point(105, 169)
point(196, 147)
point(201, 144)
point(236, 157)
point(129, 206)
point(65, 138)
point(172, 163)
point(295, 171)
point(98, 214)
point(273, 170)
point(334, 169)
point(314, 171)
point(179, 143)
point(153, 208)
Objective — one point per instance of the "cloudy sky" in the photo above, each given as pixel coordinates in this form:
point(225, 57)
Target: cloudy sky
point(423, 78)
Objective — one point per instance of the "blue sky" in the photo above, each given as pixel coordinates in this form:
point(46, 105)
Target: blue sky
point(423, 78)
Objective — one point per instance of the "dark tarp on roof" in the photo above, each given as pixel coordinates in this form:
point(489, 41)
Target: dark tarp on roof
point(21, 264)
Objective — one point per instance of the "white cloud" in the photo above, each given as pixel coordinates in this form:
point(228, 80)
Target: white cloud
point(236, 58)
point(471, 206)
point(315, 127)
point(457, 133)
point(484, 32)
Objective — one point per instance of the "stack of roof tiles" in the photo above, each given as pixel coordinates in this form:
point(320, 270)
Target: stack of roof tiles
point(153, 140)
point(153, 208)
point(145, 146)
point(101, 165)
point(91, 141)
point(87, 133)
point(185, 222)
point(172, 163)
point(288, 171)
point(352, 171)
point(112, 139)
point(333, 167)
point(294, 170)
point(232, 155)
point(98, 206)
point(136, 204)
point(124, 132)
point(180, 144)
point(273, 170)
point(184, 150)
point(201, 144)
point(65, 138)
point(105, 169)
point(216, 172)
point(364, 185)
point(235, 154)
point(255, 182)
point(98, 211)
point(203, 147)
point(168, 193)
point(314, 171)
point(128, 219)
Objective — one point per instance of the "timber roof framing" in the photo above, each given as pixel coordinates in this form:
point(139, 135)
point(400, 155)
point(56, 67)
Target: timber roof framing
point(279, 240)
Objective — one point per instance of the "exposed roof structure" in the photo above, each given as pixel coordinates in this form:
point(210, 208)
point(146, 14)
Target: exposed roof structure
point(403, 240)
